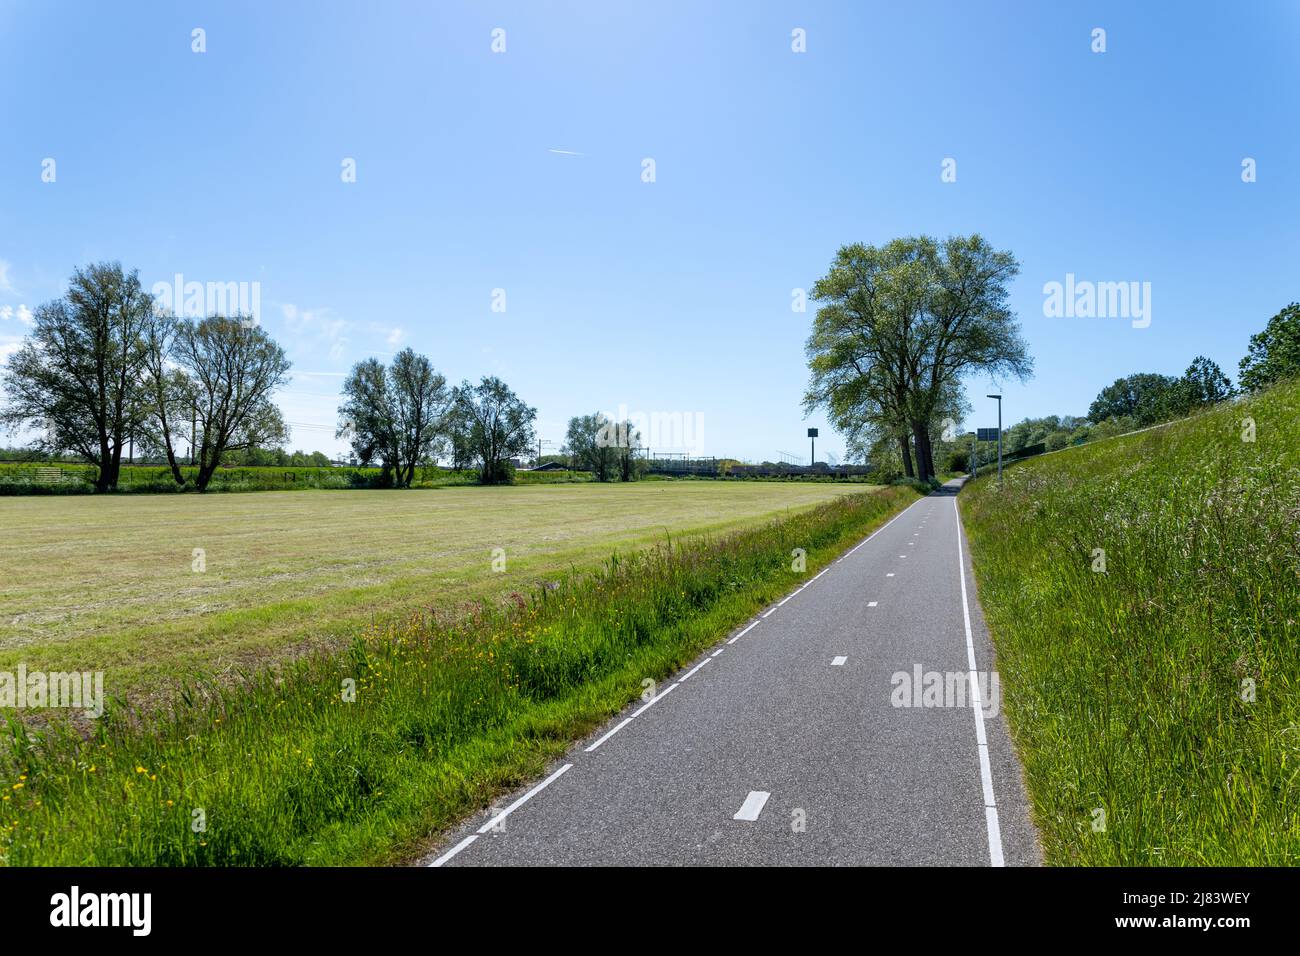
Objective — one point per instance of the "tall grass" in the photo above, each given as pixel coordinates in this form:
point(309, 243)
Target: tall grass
point(449, 710)
point(1163, 693)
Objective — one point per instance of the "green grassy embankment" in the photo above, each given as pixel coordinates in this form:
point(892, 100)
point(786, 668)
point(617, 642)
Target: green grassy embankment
point(1163, 692)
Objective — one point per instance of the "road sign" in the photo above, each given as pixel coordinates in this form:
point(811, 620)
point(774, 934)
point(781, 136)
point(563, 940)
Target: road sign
point(812, 433)
point(987, 434)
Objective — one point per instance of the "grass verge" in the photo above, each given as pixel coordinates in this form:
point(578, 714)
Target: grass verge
point(286, 770)
point(1154, 703)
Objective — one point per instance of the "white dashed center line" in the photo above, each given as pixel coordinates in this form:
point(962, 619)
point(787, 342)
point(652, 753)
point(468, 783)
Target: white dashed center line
point(626, 721)
point(839, 661)
point(872, 603)
point(658, 697)
point(688, 674)
point(753, 805)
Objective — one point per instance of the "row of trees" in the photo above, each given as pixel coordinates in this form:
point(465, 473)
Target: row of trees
point(899, 327)
point(103, 368)
point(404, 415)
point(1148, 397)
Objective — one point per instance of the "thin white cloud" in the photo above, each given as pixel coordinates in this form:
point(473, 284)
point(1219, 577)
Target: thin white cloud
point(6, 282)
point(22, 314)
point(564, 152)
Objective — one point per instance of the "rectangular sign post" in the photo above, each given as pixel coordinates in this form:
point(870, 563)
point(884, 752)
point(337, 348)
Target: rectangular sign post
point(812, 436)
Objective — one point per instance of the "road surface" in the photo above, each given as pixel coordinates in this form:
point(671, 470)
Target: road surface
point(791, 743)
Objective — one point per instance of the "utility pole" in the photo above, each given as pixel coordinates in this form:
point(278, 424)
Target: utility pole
point(999, 398)
point(974, 457)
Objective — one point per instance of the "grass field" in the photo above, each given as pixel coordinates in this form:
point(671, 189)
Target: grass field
point(360, 756)
point(1155, 704)
point(106, 582)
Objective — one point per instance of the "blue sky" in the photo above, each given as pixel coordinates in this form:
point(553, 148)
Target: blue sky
point(671, 296)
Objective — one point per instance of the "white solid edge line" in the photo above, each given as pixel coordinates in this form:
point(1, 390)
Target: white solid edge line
point(454, 850)
point(753, 805)
point(658, 697)
point(524, 799)
point(986, 772)
point(626, 721)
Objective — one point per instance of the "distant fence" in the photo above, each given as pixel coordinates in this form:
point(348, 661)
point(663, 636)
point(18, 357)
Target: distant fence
point(681, 466)
point(781, 469)
point(719, 467)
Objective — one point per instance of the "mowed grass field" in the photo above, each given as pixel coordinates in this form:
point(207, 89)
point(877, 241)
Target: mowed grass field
point(108, 582)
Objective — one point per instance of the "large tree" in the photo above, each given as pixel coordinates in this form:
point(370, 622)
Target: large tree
point(1274, 353)
point(901, 325)
point(1204, 384)
point(965, 326)
point(234, 367)
point(606, 448)
point(396, 414)
point(582, 444)
point(78, 377)
point(498, 426)
point(1146, 397)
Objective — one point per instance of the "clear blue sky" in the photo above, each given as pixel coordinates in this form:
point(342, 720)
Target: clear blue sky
point(674, 295)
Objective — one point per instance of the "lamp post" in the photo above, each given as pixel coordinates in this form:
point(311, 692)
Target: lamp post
point(999, 398)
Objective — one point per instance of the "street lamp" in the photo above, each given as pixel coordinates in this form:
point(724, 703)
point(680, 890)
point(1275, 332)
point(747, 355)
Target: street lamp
point(999, 398)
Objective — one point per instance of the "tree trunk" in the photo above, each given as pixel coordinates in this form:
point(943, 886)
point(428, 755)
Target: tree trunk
point(924, 462)
point(112, 469)
point(906, 452)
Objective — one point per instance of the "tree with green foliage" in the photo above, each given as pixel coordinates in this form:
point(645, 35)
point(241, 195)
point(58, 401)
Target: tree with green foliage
point(233, 367)
point(583, 445)
point(604, 447)
point(1144, 397)
point(1274, 353)
point(498, 427)
point(78, 378)
point(397, 414)
point(901, 324)
point(1203, 384)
